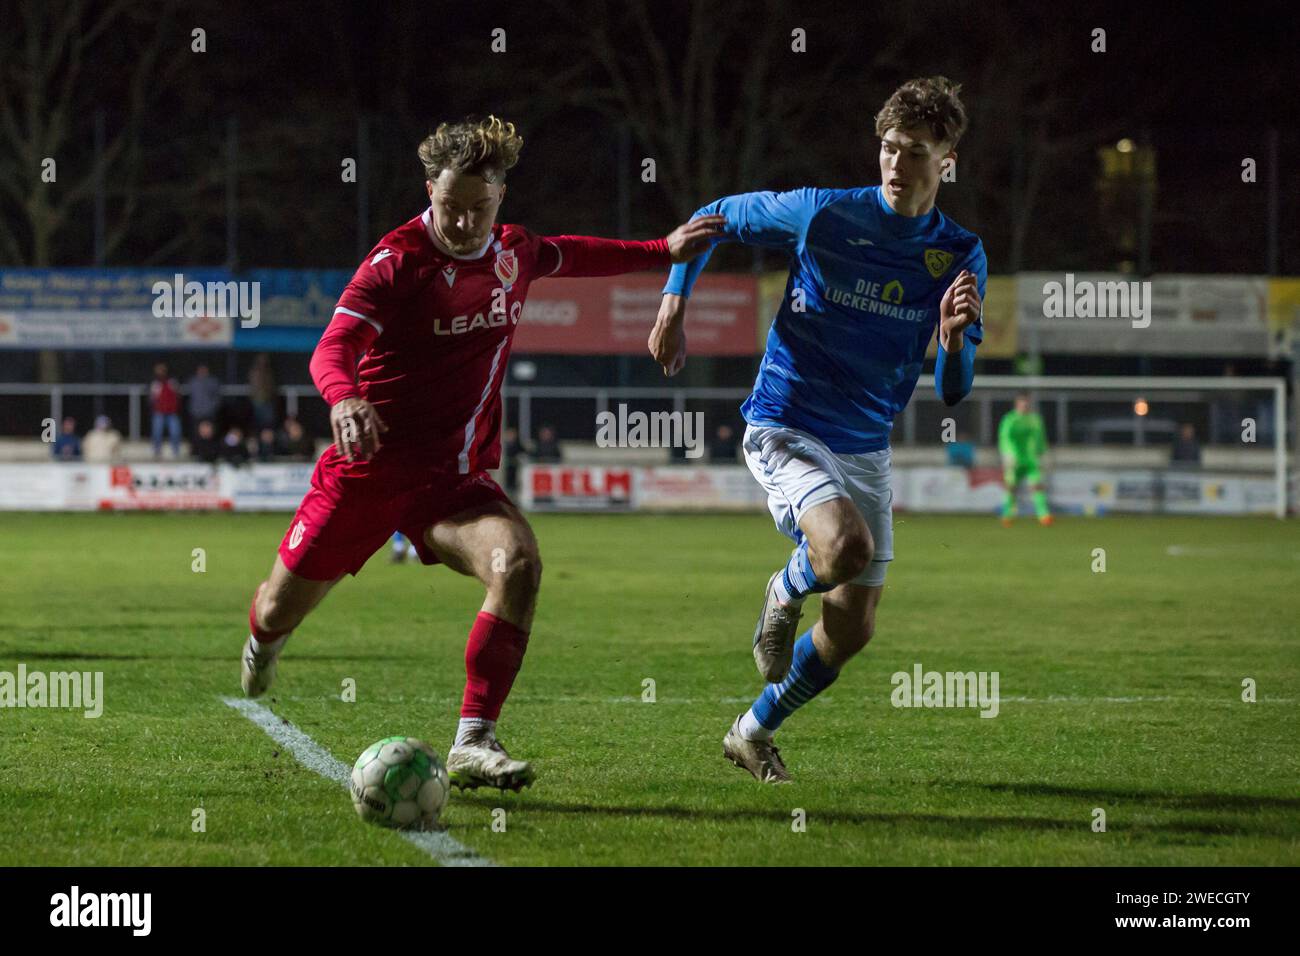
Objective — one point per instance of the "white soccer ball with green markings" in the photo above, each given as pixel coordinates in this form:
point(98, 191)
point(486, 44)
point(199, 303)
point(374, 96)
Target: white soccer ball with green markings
point(399, 782)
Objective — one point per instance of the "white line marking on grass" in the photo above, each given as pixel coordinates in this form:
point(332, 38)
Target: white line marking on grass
point(1054, 699)
point(823, 699)
point(440, 846)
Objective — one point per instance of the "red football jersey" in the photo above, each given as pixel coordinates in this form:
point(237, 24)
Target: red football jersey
point(442, 329)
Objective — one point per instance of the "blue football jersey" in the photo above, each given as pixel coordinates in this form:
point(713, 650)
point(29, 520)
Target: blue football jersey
point(861, 304)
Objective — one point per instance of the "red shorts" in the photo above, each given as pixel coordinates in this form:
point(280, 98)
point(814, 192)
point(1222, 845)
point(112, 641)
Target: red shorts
point(354, 507)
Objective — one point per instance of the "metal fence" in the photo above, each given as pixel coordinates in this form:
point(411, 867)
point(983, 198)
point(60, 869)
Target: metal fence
point(1088, 410)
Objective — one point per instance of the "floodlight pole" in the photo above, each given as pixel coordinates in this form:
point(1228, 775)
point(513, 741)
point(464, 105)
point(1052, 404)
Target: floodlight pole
point(232, 194)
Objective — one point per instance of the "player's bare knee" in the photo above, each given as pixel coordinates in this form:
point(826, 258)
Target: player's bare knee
point(521, 572)
point(849, 554)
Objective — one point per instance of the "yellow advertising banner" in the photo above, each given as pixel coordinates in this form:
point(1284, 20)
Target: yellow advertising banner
point(1283, 303)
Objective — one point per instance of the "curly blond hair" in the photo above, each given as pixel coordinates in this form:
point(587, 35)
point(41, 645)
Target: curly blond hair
point(931, 102)
point(486, 148)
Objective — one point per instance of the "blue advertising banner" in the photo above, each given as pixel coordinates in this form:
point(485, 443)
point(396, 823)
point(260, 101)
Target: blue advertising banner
point(263, 309)
point(116, 309)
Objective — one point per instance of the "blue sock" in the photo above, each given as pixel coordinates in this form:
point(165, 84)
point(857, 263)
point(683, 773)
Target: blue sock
point(808, 677)
point(798, 580)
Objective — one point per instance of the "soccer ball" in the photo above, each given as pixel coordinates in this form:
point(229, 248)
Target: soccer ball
point(399, 782)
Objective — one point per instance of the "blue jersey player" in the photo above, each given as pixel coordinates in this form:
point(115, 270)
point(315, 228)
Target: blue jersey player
point(874, 272)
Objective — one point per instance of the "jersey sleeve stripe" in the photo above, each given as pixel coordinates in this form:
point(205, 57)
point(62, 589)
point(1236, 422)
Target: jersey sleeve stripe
point(559, 258)
point(365, 318)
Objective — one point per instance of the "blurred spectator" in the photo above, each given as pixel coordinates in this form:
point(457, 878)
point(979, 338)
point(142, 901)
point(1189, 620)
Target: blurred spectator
point(233, 449)
point(1227, 411)
point(269, 445)
point(547, 451)
point(165, 399)
point(67, 446)
point(722, 449)
point(205, 398)
point(1186, 452)
point(205, 446)
point(512, 449)
point(103, 442)
point(261, 391)
point(266, 444)
point(295, 443)
point(962, 451)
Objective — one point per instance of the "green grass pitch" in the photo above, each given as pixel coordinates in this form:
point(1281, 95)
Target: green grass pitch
point(1119, 690)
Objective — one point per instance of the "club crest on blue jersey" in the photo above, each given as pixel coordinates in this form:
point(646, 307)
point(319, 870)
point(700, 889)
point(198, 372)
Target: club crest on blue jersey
point(937, 261)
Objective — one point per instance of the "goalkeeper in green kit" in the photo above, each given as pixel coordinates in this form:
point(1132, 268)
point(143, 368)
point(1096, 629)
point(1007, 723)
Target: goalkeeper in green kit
point(1021, 441)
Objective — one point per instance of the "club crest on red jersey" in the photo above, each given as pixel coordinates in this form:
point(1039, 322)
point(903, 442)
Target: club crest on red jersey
point(507, 267)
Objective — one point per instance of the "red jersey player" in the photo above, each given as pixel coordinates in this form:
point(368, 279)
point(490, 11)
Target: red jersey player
point(430, 314)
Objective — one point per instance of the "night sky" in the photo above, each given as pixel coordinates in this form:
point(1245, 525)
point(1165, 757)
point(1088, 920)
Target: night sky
point(1201, 84)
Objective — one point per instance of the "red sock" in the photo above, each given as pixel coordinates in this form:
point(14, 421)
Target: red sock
point(493, 656)
point(263, 635)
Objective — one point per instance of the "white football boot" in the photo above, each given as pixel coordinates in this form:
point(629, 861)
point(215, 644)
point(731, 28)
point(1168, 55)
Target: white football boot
point(759, 757)
point(483, 762)
point(257, 670)
point(774, 635)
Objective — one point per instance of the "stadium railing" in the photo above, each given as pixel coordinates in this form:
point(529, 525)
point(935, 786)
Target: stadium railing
point(1080, 412)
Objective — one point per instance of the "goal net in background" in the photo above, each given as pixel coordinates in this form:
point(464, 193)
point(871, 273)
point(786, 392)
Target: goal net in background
point(1185, 445)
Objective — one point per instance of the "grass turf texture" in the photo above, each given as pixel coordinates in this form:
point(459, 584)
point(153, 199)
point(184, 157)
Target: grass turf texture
point(1197, 777)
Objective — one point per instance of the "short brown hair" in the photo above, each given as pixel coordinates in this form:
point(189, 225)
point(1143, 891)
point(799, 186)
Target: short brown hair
point(486, 148)
point(931, 102)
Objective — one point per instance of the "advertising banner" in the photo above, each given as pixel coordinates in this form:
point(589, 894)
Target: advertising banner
point(105, 309)
point(280, 487)
point(613, 316)
point(561, 488)
point(147, 487)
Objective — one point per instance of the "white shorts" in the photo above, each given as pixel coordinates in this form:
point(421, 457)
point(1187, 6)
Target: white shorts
point(799, 472)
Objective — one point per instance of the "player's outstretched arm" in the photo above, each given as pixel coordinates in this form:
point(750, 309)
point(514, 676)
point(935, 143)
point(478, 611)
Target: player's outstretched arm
point(954, 368)
point(769, 219)
point(581, 256)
